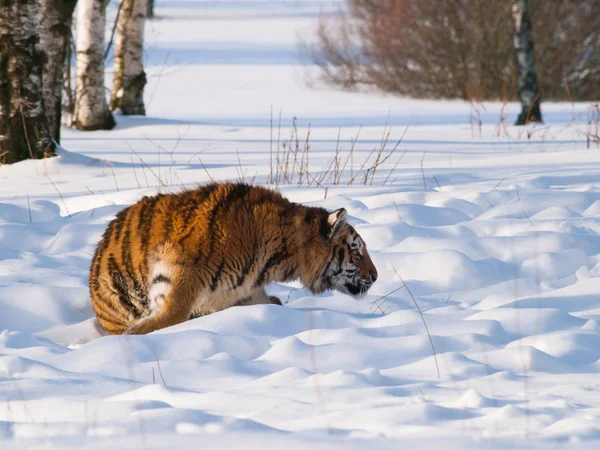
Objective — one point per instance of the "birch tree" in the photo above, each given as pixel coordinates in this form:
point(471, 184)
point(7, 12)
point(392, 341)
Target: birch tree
point(91, 108)
point(529, 91)
point(129, 77)
point(23, 126)
point(54, 19)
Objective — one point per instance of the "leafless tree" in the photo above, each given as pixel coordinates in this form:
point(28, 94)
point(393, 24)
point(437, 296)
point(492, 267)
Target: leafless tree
point(54, 23)
point(23, 126)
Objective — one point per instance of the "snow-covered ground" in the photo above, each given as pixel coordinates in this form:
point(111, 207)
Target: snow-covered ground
point(494, 230)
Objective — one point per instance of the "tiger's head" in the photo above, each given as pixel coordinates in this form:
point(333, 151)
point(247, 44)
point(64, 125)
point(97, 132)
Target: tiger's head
point(343, 262)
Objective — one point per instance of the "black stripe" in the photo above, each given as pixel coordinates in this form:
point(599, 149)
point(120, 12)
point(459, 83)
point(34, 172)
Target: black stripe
point(126, 249)
point(287, 274)
point(144, 229)
point(169, 213)
point(190, 207)
point(215, 278)
point(276, 258)
point(140, 292)
point(119, 221)
point(241, 277)
point(341, 254)
point(99, 253)
point(140, 298)
point(320, 216)
point(160, 278)
point(119, 283)
point(236, 193)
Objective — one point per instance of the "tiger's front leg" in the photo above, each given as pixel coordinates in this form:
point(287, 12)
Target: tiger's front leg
point(259, 297)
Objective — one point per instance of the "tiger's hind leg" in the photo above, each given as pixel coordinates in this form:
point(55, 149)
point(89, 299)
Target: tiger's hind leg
point(173, 290)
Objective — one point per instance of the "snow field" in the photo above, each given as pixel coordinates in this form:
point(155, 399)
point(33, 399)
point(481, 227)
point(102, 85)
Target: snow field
point(496, 237)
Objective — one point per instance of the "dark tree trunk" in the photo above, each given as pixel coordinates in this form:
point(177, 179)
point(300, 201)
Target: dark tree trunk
point(150, 10)
point(55, 18)
point(529, 92)
point(23, 125)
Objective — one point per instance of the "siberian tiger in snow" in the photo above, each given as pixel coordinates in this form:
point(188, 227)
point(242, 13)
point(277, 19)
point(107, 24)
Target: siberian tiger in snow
point(173, 257)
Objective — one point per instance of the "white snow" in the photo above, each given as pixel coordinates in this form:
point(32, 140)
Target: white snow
point(494, 230)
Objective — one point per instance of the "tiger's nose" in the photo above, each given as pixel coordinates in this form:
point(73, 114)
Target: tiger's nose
point(374, 277)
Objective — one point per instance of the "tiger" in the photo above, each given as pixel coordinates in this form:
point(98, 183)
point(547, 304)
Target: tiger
point(174, 257)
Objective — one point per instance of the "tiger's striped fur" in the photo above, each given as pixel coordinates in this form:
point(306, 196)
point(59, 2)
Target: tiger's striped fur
point(172, 257)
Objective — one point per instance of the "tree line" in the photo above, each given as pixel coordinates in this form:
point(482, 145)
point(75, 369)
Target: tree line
point(35, 39)
point(467, 49)
point(470, 49)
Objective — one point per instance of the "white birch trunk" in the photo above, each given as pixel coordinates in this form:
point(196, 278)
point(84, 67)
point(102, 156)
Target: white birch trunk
point(23, 125)
point(91, 108)
point(129, 77)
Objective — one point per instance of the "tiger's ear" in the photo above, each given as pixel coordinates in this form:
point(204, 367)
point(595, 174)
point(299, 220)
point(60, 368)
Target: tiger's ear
point(336, 221)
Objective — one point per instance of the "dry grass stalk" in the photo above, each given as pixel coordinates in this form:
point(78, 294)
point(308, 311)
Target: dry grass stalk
point(134, 173)
point(376, 303)
point(500, 182)
point(423, 319)
point(313, 361)
point(271, 149)
point(384, 140)
point(112, 168)
point(593, 131)
point(304, 160)
point(289, 162)
point(60, 195)
point(160, 181)
point(501, 126)
point(423, 174)
point(278, 144)
point(475, 115)
point(159, 369)
point(239, 168)
point(28, 207)
point(206, 170)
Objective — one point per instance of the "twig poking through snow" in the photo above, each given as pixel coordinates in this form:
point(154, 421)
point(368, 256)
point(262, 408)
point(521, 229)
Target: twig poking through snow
point(206, 170)
point(378, 305)
point(424, 322)
point(28, 206)
point(159, 369)
point(60, 195)
point(313, 360)
point(500, 182)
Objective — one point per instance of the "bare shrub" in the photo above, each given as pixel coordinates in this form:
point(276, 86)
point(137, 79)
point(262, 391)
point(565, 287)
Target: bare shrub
point(458, 48)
